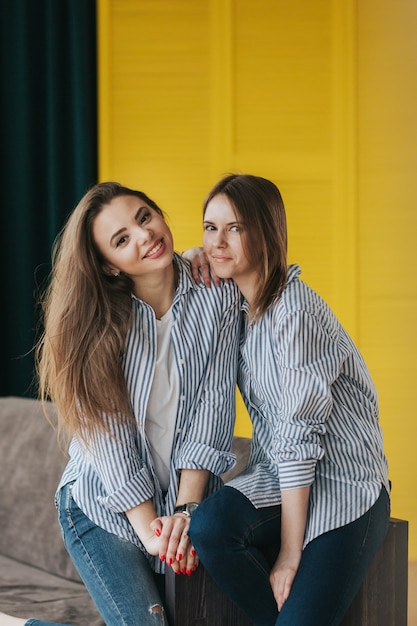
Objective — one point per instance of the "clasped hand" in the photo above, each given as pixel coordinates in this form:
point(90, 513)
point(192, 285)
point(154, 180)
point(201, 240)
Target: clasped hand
point(170, 540)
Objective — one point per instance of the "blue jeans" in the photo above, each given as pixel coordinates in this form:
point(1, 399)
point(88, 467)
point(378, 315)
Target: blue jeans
point(235, 543)
point(116, 573)
point(36, 622)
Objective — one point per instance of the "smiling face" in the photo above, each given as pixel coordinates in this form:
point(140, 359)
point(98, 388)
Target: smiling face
point(132, 238)
point(223, 243)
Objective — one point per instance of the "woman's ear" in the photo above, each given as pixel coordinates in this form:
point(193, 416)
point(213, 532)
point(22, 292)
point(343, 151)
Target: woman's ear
point(111, 271)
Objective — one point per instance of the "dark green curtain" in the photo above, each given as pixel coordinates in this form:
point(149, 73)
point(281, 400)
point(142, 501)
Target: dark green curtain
point(48, 157)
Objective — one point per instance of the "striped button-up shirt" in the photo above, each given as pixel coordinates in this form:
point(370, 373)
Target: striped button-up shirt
point(314, 411)
point(118, 473)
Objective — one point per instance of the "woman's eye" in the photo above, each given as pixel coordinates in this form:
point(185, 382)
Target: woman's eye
point(144, 217)
point(209, 227)
point(235, 229)
point(120, 241)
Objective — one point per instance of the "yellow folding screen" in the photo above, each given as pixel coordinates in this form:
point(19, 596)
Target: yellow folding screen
point(318, 95)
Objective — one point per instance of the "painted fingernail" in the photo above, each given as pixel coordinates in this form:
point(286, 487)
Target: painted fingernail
point(162, 557)
point(169, 562)
point(157, 532)
point(188, 572)
point(184, 570)
point(177, 572)
point(179, 557)
point(193, 552)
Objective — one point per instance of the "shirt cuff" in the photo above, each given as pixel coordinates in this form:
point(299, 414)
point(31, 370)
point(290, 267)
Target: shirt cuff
point(295, 474)
point(138, 489)
point(195, 455)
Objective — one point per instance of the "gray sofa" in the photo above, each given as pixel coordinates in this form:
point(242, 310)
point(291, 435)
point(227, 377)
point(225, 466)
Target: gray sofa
point(37, 577)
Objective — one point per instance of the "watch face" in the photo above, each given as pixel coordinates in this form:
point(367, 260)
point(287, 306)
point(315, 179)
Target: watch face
point(191, 507)
point(188, 508)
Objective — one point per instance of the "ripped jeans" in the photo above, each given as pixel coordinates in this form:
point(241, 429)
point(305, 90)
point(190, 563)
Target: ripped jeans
point(116, 573)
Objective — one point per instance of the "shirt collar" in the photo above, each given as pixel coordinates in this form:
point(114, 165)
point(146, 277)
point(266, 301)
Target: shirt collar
point(185, 277)
point(292, 273)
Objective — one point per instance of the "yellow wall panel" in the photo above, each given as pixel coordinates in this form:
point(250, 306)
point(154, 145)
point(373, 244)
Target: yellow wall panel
point(319, 96)
point(283, 95)
point(159, 108)
point(387, 164)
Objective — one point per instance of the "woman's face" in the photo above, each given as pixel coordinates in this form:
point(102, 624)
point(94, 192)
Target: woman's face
point(223, 243)
point(132, 237)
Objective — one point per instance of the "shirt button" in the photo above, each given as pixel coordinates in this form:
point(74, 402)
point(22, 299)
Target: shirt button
point(181, 361)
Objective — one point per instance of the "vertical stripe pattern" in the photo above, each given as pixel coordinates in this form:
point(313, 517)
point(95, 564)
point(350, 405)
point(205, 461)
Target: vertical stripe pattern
point(117, 473)
point(314, 410)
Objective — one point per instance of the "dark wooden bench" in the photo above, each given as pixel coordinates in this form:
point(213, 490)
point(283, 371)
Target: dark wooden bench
point(381, 600)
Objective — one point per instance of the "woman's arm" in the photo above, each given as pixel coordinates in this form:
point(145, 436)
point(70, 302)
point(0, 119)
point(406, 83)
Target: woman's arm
point(192, 485)
point(114, 455)
point(172, 530)
point(294, 509)
point(168, 536)
point(141, 518)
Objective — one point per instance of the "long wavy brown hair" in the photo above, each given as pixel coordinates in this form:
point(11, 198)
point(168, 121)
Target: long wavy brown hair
point(259, 206)
point(86, 317)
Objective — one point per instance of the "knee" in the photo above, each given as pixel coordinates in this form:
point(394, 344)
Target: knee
point(207, 523)
point(157, 611)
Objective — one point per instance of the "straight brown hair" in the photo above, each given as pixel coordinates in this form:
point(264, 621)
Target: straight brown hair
point(258, 205)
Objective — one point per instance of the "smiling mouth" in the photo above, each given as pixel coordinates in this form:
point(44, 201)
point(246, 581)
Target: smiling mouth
point(155, 249)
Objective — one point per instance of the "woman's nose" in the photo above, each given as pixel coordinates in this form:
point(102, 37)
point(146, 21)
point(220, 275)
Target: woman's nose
point(219, 239)
point(143, 234)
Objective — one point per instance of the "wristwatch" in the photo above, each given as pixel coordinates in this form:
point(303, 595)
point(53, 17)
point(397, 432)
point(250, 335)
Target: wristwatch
point(187, 509)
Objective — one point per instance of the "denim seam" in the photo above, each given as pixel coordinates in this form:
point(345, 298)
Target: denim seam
point(91, 563)
point(247, 541)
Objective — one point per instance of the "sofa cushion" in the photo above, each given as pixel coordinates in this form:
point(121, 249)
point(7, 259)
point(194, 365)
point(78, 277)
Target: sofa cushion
point(31, 465)
point(26, 591)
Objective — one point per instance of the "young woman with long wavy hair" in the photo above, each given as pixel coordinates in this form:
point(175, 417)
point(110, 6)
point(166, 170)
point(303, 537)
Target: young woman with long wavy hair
point(141, 365)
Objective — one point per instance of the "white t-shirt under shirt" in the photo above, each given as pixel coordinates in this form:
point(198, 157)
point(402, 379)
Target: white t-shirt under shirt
point(163, 401)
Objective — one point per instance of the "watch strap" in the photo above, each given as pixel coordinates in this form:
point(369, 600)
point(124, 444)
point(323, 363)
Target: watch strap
point(187, 509)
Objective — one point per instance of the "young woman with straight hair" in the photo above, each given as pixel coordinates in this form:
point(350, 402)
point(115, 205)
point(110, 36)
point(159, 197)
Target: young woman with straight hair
point(291, 538)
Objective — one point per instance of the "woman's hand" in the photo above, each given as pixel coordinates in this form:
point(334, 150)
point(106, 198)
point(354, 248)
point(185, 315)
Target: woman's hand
point(199, 261)
point(188, 564)
point(294, 506)
point(282, 576)
point(174, 544)
point(167, 536)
